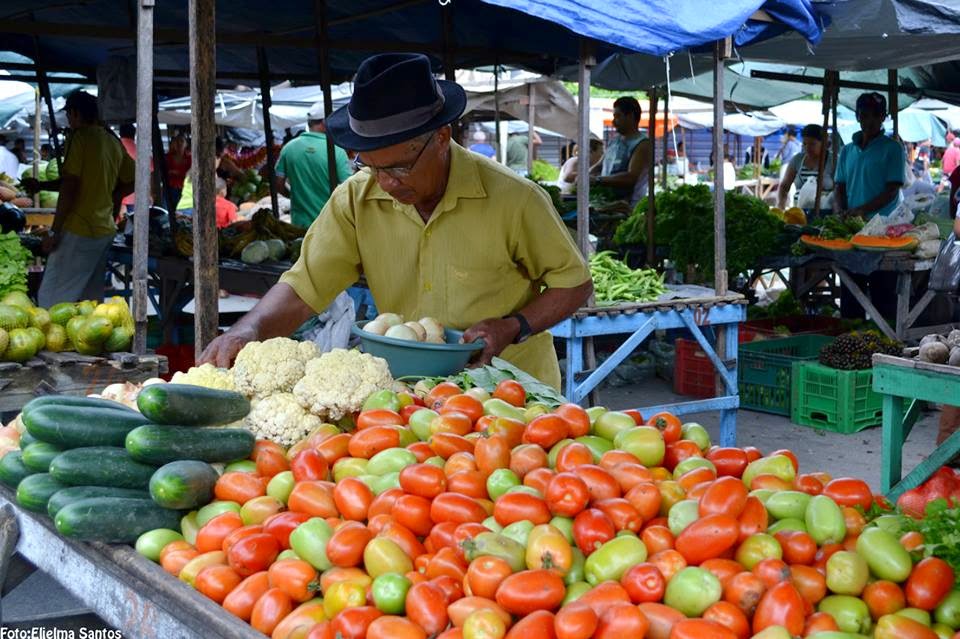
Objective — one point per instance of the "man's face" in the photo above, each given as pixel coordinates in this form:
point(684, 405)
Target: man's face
point(73, 119)
point(623, 121)
point(412, 170)
point(871, 121)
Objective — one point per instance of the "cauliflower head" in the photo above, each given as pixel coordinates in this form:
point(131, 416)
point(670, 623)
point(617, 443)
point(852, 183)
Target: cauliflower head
point(337, 383)
point(281, 419)
point(206, 375)
point(272, 366)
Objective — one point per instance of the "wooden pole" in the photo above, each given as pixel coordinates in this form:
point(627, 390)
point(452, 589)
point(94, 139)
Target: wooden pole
point(203, 72)
point(36, 143)
point(829, 95)
point(651, 179)
point(666, 138)
point(323, 47)
point(141, 218)
point(721, 50)
point(531, 119)
point(44, 86)
point(893, 99)
point(757, 161)
point(266, 100)
point(496, 114)
point(583, 172)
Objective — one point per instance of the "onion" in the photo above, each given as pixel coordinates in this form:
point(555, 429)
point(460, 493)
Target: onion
point(418, 329)
point(390, 319)
point(434, 330)
point(377, 327)
point(401, 331)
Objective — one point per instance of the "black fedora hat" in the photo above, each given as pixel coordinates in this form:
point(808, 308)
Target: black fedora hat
point(395, 98)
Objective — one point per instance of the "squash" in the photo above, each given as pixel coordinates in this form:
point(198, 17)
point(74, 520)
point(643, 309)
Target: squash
point(829, 245)
point(795, 215)
point(22, 202)
point(6, 193)
point(872, 243)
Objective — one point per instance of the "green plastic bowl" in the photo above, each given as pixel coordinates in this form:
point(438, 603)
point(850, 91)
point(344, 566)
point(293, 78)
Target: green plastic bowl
point(419, 359)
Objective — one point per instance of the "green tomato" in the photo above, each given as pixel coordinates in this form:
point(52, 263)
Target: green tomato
point(491, 524)
point(850, 613)
point(519, 531)
point(215, 508)
point(575, 573)
point(478, 393)
point(436, 460)
point(281, 485)
point(389, 592)
point(287, 554)
point(776, 465)
point(828, 634)
point(847, 573)
point(565, 526)
point(420, 421)
point(756, 548)
point(696, 433)
point(824, 520)
point(787, 524)
point(596, 445)
point(777, 632)
point(692, 591)
point(380, 484)
point(349, 467)
point(532, 411)
point(499, 408)
point(763, 494)
point(530, 490)
point(948, 611)
point(555, 450)
point(383, 555)
point(682, 514)
point(594, 413)
point(500, 481)
point(258, 509)
point(612, 559)
point(611, 423)
point(943, 631)
point(643, 442)
point(575, 591)
point(383, 399)
point(918, 615)
point(497, 545)
point(309, 541)
point(189, 527)
point(690, 463)
point(884, 554)
point(407, 437)
point(392, 460)
point(241, 466)
point(150, 543)
point(787, 504)
point(342, 595)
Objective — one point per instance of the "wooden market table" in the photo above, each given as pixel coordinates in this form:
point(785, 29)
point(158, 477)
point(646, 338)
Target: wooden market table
point(904, 383)
point(638, 322)
point(126, 590)
point(72, 374)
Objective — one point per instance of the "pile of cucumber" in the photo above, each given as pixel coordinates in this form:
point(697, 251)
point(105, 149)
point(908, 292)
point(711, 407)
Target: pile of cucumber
point(105, 472)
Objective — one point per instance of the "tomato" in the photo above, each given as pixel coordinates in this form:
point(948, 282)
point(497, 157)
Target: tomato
point(368, 442)
point(668, 425)
point(382, 555)
point(492, 453)
point(309, 464)
point(646, 498)
point(451, 423)
point(345, 547)
point(216, 582)
point(383, 503)
point(701, 629)
point(898, 627)
point(426, 606)
point(309, 541)
point(211, 535)
point(423, 480)
point(578, 421)
point(538, 479)
point(446, 562)
point(548, 548)
point(259, 509)
point(239, 487)
point(518, 506)
point(657, 538)
point(819, 622)
point(537, 625)
point(270, 461)
point(847, 573)
point(342, 595)
point(403, 537)
point(644, 583)
point(809, 583)
point(668, 562)
point(464, 404)
point(353, 622)
point(459, 461)
point(446, 445)
point(592, 529)
point(744, 590)
point(725, 496)
point(461, 609)
point(511, 392)
point(566, 494)
point(457, 508)
point(421, 451)
point(484, 624)
point(571, 456)
point(622, 620)
point(413, 512)
point(753, 519)
point(270, 610)
point(708, 537)
point(241, 599)
point(575, 620)
point(781, 605)
point(613, 558)
point(527, 457)
point(728, 616)
point(471, 483)
point(391, 627)
point(931, 581)
point(295, 577)
point(662, 619)
point(281, 525)
point(621, 513)
point(440, 393)
point(847, 491)
point(314, 498)
point(772, 571)
point(253, 554)
point(602, 596)
point(798, 547)
point(546, 430)
point(485, 574)
point(730, 462)
point(883, 598)
point(528, 591)
point(910, 541)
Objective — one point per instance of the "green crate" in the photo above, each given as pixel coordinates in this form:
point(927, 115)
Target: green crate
point(764, 370)
point(834, 400)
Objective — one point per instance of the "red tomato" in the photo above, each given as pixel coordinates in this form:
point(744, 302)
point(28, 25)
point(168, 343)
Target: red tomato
point(883, 598)
point(426, 606)
point(657, 538)
point(253, 554)
point(413, 512)
point(730, 617)
point(644, 583)
point(744, 590)
point(646, 498)
point(352, 498)
point(678, 451)
point(753, 519)
point(314, 498)
point(216, 582)
point(798, 547)
point(605, 595)
point(270, 610)
point(546, 430)
point(537, 625)
point(772, 571)
point(707, 538)
point(811, 585)
point(241, 599)
point(622, 620)
point(447, 445)
point(440, 393)
point(668, 424)
point(819, 622)
point(511, 392)
point(576, 620)
point(621, 513)
point(668, 562)
point(600, 483)
point(848, 491)
point(577, 418)
point(662, 619)
point(368, 442)
point(352, 623)
point(781, 605)
point(295, 577)
point(239, 486)
point(423, 480)
point(573, 456)
point(282, 524)
point(530, 590)
point(808, 484)
point(456, 508)
point(527, 457)
point(271, 461)
point(629, 475)
point(725, 496)
point(211, 534)
point(403, 537)
point(485, 574)
point(592, 529)
point(240, 533)
point(462, 608)
point(492, 453)
point(409, 410)
point(390, 627)
point(464, 404)
point(789, 454)
point(334, 448)
point(514, 507)
point(345, 547)
point(701, 629)
point(900, 627)
point(730, 462)
point(383, 503)
point(929, 583)
point(539, 479)
point(309, 464)
point(446, 562)
point(379, 417)
point(635, 415)
point(471, 483)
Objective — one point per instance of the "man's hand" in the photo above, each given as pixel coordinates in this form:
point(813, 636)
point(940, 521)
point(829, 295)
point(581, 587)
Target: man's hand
point(222, 351)
point(496, 333)
point(30, 185)
point(50, 243)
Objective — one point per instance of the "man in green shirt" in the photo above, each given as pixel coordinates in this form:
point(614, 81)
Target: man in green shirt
point(301, 172)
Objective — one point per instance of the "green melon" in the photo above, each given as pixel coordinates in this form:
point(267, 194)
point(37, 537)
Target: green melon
point(86, 348)
point(53, 170)
point(48, 199)
point(13, 317)
point(39, 338)
point(40, 318)
point(56, 338)
point(4, 341)
point(73, 326)
point(95, 330)
point(22, 346)
point(17, 298)
point(119, 340)
point(62, 312)
point(86, 307)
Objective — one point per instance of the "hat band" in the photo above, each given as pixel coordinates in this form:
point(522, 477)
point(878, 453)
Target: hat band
point(398, 122)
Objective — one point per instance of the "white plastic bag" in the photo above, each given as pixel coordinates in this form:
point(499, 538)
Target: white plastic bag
point(877, 226)
point(334, 324)
point(807, 197)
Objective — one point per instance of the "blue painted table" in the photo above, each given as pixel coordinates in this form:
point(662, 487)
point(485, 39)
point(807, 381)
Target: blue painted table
point(638, 322)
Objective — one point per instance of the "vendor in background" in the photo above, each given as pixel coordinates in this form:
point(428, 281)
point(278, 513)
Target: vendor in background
point(20, 150)
point(629, 156)
point(870, 172)
point(790, 147)
point(436, 230)
point(128, 134)
point(226, 167)
point(185, 205)
point(806, 166)
point(45, 151)
point(518, 149)
point(481, 146)
point(9, 164)
point(302, 172)
point(96, 174)
point(226, 210)
point(178, 164)
point(567, 181)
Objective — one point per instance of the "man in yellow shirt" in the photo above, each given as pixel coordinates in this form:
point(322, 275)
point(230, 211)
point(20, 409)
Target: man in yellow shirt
point(436, 230)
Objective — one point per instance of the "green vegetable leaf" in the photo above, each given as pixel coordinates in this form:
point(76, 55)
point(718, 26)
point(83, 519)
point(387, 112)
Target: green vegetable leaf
point(13, 264)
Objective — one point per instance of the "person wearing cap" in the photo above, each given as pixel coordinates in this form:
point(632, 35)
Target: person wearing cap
point(96, 174)
point(436, 230)
point(302, 170)
point(806, 165)
point(481, 146)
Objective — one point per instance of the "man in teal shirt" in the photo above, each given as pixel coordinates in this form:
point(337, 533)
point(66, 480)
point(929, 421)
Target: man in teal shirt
point(301, 172)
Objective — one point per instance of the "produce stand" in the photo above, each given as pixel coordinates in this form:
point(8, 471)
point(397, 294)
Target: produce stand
point(72, 374)
point(900, 381)
point(128, 591)
point(639, 321)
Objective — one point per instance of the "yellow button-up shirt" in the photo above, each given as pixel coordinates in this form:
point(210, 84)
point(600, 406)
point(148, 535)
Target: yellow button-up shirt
point(491, 244)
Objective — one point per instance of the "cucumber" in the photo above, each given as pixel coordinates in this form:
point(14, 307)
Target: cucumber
point(34, 491)
point(113, 519)
point(156, 444)
point(67, 496)
point(183, 484)
point(12, 469)
point(100, 466)
point(26, 439)
point(78, 426)
point(188, 405)
point(37, 456)
point(74, 400)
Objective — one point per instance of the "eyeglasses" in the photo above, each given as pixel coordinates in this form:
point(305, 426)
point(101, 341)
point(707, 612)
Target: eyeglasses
point(396, 172)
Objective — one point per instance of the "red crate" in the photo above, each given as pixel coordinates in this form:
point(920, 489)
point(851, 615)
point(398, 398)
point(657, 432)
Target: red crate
point(693, 373)
point(796, 324)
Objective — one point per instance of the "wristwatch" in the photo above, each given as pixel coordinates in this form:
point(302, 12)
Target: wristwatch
point(525, 330)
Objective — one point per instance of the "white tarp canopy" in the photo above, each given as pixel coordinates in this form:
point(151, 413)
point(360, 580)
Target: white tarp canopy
point(555, 108)
point(755, 125)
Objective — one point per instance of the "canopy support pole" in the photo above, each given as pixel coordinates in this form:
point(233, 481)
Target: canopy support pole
point(666, 138)
point(44, 85)
point(160, 164)
point(141, 218)
point(829, 97)
point(757, 163)
point(892, 100)
point(651, 178)
point(203, 73)
point(323, 47)
point(450, 61)
point(496, 112)
point(587, 61)
point(36, 143)
point(266, 101)
point(531, 119)
point(722, 49)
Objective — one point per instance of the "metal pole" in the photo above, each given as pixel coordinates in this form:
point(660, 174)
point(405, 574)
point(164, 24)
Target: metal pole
point(323, 46)
point(203, 73)
point(496, 114)
point(720, 52)
point(893, 99)
point(36, 143)
point(829, 88)
point(651, 178)
point(666, 138)
point(141, 218)
point(531, 119)
point(263, 66)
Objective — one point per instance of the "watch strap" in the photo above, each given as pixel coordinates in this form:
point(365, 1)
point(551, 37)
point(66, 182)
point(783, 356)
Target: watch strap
point(525, 330)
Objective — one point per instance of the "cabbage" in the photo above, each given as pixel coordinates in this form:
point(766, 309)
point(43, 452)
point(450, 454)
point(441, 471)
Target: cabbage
point(277, 249)
point(255, 252)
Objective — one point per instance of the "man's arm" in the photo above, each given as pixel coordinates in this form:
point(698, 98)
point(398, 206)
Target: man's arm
point(546, 310)
point(639, 163)
point(785, 184)
point(277, 314)
point(280, 185)
point(885, 197)
point(840, 196)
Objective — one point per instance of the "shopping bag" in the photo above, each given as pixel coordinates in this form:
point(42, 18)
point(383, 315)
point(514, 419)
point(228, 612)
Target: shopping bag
point(945, 274)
